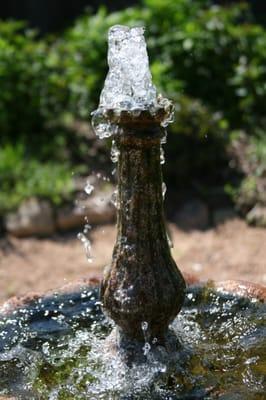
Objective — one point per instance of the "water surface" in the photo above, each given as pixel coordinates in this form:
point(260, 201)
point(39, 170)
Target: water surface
point(54, 349)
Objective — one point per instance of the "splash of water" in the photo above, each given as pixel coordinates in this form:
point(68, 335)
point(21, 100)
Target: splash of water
point(128, 85)
point(83, 236)
point(63, 355)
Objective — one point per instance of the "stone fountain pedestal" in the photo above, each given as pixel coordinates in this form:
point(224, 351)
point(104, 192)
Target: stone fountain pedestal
point(142, 289)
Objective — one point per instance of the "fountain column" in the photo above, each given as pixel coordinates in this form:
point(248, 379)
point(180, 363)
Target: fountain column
point(142, 290)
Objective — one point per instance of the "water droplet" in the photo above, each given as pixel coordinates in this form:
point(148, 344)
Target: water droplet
point(86, 244)
point(163, 369)
point(164, 188)
point(114, 199)
point(162, 159)
point(170, 242)
point(164, 138)
point(46, 348)
point(197, 267)
point(86, 229)
point(251, 360)
point(146, 348)
point(88, 188)
point(114, 152)
point(144, 325)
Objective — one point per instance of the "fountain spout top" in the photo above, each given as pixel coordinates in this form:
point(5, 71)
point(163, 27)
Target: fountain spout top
point(128, 94)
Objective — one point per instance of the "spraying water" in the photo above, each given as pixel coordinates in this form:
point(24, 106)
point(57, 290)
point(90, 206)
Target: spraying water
point(128, 85)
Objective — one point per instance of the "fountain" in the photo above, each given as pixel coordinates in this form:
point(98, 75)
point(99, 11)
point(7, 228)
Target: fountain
point(62, 346)
point(143, 285)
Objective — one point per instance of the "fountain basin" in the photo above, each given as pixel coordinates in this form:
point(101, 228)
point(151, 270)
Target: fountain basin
point(52, 347)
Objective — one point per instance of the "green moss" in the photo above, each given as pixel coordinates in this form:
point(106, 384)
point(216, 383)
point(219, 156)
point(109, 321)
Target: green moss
point(56, 375)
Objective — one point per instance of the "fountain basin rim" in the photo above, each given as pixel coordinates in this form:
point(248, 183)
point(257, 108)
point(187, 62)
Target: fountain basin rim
point(236, 287)
point(76, 286)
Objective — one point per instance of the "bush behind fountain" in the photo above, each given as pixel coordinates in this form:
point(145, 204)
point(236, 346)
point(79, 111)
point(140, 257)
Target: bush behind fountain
point(216, 90)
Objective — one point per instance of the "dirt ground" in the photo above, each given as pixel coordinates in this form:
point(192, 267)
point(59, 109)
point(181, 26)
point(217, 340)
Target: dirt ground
point(231, 251)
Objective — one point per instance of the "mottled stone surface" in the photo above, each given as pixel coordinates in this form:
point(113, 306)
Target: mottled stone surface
point(143, 284)
point(242, 289)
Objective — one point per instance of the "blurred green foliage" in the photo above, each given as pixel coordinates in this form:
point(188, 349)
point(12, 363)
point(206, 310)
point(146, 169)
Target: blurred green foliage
point(30, 95)
point(210, 60)
point(252, 163)
point(23, 177)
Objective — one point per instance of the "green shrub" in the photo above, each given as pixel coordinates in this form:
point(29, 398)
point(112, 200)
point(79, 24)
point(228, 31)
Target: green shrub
point(36, 157)
point(196, 149)
point(210, 60)
point(30, 95)
point(251, 163)
point(208, 52)
point(213, 53)
point(257, 154)
point(23, 177)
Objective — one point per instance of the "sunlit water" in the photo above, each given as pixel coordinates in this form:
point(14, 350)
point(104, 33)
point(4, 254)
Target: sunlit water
point(128, 85)
point(54, 349)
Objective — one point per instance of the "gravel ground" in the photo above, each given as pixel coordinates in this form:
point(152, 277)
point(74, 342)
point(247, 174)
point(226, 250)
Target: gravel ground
point(233, 250)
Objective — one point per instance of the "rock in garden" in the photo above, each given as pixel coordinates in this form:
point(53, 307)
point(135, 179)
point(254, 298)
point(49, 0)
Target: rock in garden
point(221, 215)
point(257, 216)
point(194, 214)
point(95, 209)
point(33, 217)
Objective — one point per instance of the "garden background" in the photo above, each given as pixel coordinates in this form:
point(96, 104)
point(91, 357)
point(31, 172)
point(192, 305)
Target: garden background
point(210, 59)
